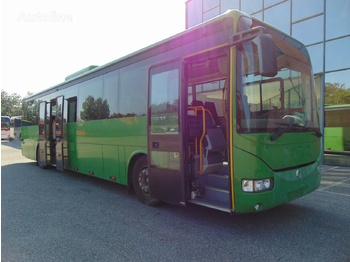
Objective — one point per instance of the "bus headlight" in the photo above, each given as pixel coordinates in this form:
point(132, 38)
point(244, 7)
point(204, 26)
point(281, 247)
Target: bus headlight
point(259, 185)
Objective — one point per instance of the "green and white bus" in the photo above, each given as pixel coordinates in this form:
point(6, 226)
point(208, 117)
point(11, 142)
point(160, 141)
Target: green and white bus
point(221, 115)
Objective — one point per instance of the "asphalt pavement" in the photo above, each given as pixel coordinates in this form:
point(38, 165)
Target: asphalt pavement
point(47, 215)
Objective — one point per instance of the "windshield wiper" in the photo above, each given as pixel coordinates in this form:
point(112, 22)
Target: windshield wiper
point(280, 132)
point(317, 133)
point(294, 126)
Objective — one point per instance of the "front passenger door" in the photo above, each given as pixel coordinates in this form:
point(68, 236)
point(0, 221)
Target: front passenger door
point(165, 134)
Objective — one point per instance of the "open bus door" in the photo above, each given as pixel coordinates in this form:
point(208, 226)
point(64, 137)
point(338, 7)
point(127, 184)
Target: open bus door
point(51, 140)
point(57, 131)
point(165, 135)
point(43, 153)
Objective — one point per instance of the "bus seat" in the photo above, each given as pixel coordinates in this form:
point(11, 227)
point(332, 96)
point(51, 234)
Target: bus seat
point(212, 109)
point(215, 140)
point(214, 148)
point(197, 103)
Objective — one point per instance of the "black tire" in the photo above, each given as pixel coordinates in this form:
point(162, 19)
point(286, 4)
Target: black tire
point(141, 182)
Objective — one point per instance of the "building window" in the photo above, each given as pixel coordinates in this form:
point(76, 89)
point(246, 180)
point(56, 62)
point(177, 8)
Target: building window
point(302, 9)
point(229, 4)
point(279, 16)
point(316, 55)
point(309, 31)
point(337, 18)
point(251, 6)
point(268, 3)
point(194, 13)
point(337, 54)
point(341, 77)
point(208, 5)
point(211, 13)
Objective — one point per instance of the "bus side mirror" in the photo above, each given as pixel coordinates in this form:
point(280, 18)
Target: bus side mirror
point(265, 47)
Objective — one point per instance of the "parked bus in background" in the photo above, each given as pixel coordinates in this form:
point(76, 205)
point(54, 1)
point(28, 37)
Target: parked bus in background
point(5, 127)
point(223, 115)
point(15, 127)
point(337, 128)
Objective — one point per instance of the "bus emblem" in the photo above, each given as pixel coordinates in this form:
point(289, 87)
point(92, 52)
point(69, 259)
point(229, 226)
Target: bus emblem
point(298, 174)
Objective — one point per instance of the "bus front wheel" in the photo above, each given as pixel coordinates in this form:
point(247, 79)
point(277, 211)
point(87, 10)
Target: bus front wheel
point(140, 177)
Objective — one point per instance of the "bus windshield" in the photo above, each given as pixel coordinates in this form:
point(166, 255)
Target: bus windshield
point(285, 102)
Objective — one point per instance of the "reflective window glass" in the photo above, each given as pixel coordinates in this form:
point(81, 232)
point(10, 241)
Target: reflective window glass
point(309, 31)
point(110, 92)
point(268, 3)
point(318, 85)
point(90, 104)
point(337, 18)
point(302, 9)
point(316, 56)
point(258, 15)
point(279, 16)
point(193, 13)
point(207, 5)
point(251, 6)
point(337, 120)
point(229, 4)
point(212, 13)
point(72, 109)
point(132, 96)
point(337, 54)
point(341, 77)
point(164, 100)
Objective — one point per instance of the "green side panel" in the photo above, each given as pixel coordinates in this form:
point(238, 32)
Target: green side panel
point(337, 138)
point(346, 138)
point(29, 141)
point(114, 163)
point(287, 186)
point(90, 159)
point(122, 171)
point(105, 147)
point(110, 161)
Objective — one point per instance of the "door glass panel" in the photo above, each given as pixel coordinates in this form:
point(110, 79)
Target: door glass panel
point(165, 102)
point(59, 117)
point(42, 116)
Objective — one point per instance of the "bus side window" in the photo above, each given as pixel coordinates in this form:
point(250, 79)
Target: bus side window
point(72, 109)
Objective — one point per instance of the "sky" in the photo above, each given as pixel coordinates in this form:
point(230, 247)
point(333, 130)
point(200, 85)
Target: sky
point(43, 41)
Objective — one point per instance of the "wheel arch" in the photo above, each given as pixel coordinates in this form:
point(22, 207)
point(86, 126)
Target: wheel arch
point(131, 163)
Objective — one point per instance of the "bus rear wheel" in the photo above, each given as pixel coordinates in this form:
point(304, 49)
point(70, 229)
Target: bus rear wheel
point(140, 177)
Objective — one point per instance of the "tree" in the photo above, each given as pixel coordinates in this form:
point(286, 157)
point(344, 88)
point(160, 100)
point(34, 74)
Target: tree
point(336, 94)
point(11, 105)
point(94, 109)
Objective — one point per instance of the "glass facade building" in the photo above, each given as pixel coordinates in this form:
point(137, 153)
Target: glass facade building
point(322, 25)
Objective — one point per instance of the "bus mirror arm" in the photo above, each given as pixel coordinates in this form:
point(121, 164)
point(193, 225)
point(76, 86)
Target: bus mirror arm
point(246, 35)
point(265, 46)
